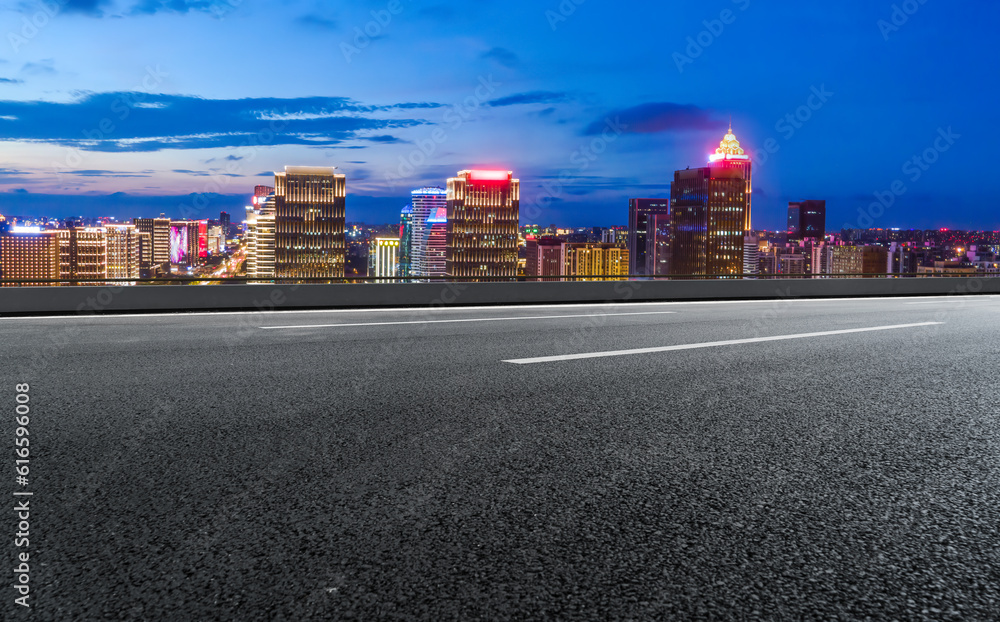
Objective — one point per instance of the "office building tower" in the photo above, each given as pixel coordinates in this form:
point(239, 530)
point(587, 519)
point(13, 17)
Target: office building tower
point(259, 192)
point(639, 211)
point(406, 242)
point(146, 265)
point(159, 233)
point(710, 209)
point(821, 261)
point(657, 245)
point(543, 257)
point(591, 261)
point(428, 203)
point(260, 239)
point(483, 212)
point(124, 251)
point(751, 255)
point(83, 253)
point(29, 253)
point(310, 205)
point(807, 220)
point(226, 224)
point(383, 258)
point(185, 236)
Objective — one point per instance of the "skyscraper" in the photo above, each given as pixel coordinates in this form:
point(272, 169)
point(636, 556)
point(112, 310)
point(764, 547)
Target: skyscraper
point(427, 204)
point(260, 238)
point(406, 241)
point(807, 219)
point(483, 212)
point(436, 248)
point(383, 257)
point(639, 211)
point(310, 203)
point(124, 251)
point(594, 260)
point(657, 245)
point(159, 233)
point(83, 253)
point(710, 211)
point(543, 257)
point(29, 254)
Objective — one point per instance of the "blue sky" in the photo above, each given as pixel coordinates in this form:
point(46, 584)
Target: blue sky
point(130, 107)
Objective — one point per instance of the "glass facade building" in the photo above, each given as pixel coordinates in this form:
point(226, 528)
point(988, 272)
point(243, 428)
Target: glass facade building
point(483, 213)
point(310, 204)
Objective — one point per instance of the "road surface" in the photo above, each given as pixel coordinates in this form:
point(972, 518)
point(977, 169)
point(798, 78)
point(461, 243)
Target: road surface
point(760, 460)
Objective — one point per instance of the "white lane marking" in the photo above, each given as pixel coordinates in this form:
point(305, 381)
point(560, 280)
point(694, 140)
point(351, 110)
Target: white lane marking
point(953, 299)
point(443, 309)
point(711, 344)
point(475, 319)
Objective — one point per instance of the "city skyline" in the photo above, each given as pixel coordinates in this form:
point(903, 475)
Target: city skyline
point(584, 139)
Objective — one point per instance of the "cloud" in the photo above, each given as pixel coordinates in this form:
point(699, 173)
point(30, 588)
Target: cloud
point(185, 171)
point(45, 67)
point(534, 97)
point(10, 81)
point(87, 7)
point(215, 7)
point(657, 117)
point(112, 122)
point(502, 56)
point(102, 173)
point(312, 20)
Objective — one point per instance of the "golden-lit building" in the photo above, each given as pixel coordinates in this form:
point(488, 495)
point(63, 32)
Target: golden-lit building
point(83, 253)
point(158, 230)
point(859, 260)
point(483, 213)
point(383, 257)
point(710, 213)
point(595, 260)
point(29, 255)
point(310, 205)
point(124, 244)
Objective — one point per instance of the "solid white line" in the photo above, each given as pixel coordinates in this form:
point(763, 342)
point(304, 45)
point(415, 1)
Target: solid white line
point(712, 344)
point(474, 319)
point(952, 299)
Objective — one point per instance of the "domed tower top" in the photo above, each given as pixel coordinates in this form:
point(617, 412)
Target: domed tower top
point(729, 148)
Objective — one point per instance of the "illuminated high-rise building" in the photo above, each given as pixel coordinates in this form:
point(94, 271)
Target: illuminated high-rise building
point(83, 253)
point(260, 238)
point(436, 248)
point(543, 257)
point(639, 211)
point(29, 253)
point(159, 233)
point(184, 242)
point(406, 242)
point(383, 257)
point(594, 260)
point(483, 212)
point(428, 204)
point(710, 211)
point(657, 249)
point(124, 251)
point(310, 204)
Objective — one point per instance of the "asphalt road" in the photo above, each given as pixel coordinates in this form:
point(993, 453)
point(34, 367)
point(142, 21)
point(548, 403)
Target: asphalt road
point(393, 465)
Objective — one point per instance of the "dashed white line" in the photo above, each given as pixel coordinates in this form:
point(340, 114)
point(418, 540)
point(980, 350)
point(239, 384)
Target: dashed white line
point(475, 319)
point(711, 344)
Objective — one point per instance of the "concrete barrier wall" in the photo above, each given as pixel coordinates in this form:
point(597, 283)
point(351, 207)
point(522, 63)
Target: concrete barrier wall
point(166, 298)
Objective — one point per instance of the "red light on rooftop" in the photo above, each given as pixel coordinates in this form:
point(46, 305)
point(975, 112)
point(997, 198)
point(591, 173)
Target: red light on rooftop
point(489, 175)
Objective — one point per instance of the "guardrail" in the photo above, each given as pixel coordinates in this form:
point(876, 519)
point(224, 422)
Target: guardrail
point(485, 279)
point(47, 300)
